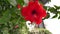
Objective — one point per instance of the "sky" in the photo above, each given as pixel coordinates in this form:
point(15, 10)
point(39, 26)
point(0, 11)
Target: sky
point(53, 25)
point(53, 2)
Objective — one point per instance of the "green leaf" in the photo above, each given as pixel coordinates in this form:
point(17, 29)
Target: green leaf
point(48, 15)
point(51, 9)
point(58, 12)
point(59, 17)
point(22, 20)
point(45, 7)
point(12, 2)
point(57, 7)
point(55, 16)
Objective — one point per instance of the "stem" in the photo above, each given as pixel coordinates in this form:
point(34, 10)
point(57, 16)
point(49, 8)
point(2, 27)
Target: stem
point(41, 25)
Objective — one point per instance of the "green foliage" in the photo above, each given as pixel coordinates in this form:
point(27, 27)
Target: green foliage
point(11, 21)
point(54, 10)
point(5, 18)
point(59, 17)
point(40, 31)
point(55, 16)
point(12, 2)
point(21, 2)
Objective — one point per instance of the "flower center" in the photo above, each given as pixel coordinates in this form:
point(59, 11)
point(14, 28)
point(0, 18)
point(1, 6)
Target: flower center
point(33, 12)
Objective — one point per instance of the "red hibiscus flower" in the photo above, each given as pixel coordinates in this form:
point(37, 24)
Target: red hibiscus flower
point(34, 12)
